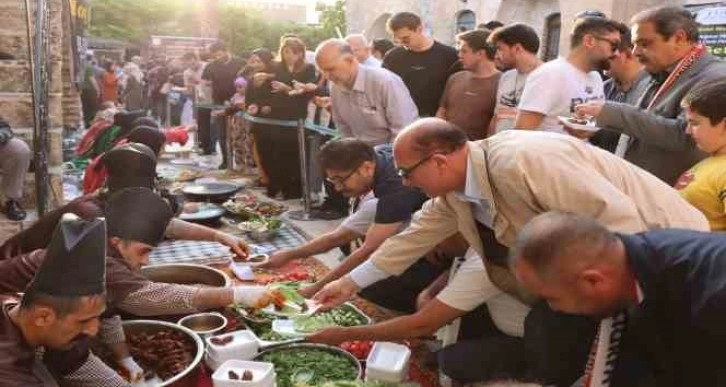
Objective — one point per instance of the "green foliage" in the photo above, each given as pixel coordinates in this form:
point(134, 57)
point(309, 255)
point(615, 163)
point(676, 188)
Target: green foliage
point(134, 21)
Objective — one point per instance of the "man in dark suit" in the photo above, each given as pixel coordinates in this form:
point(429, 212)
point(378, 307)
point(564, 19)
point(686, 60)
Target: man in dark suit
point(664, 292)
point(666, 42)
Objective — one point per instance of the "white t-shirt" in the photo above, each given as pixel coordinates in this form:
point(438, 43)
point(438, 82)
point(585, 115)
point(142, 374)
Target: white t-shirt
point(360, 221)
point(471, 287)
point(555, 88)
point(509, 93)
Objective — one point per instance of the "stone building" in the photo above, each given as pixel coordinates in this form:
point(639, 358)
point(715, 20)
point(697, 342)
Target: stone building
point(444, 18)
point(16, 91)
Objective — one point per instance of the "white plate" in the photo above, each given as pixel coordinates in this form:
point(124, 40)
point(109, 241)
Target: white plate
point(312, 308)
point(589, 127)
point(183, 162)
point(287, 328)
point(260, 259)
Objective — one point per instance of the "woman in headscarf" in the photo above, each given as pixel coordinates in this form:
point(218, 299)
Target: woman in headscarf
point(95, 174)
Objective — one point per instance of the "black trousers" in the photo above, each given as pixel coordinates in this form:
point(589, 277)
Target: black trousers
point(280, 158)
point(399, 293)
point(553, 351)
point(204, 129)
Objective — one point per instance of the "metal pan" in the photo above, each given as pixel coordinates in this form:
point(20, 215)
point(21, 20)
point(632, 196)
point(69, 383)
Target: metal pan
point(215, 192)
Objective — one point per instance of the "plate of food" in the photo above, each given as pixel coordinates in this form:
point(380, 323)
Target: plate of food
point(345, 315)
point(201, 211)
point(249, 206)
point(289, 303)
point(261, 228)
point(578, 123)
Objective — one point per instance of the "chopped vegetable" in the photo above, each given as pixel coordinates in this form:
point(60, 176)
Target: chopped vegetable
point(342, 316)
point(323, 365)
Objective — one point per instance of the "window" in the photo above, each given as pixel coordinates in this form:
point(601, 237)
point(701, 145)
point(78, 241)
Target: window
point(553, 26)
point(465, 21)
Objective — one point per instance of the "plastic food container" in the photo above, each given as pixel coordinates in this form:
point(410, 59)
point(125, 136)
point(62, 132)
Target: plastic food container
point(387, 362)
point(263, 374)
point(240, 345)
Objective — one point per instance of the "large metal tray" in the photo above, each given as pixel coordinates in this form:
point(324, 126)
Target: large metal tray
point(136, 326)
point(292, 347)
point(186, 274)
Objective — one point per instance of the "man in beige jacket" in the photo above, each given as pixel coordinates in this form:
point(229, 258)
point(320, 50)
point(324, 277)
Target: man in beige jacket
point(488, 190)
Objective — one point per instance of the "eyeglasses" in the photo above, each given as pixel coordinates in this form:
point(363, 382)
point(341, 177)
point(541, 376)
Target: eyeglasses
point(404, 172)
point(614, 44)
point(341, 181)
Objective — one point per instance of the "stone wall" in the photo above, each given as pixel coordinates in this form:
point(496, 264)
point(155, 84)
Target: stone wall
point(16, 88)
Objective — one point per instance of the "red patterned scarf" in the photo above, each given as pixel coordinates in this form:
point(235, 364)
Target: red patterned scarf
point(684, 65)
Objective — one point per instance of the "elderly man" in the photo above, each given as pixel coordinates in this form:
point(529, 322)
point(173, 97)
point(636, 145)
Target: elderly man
point(362, 50)
point(370, 104)
point(555, 88)
point(15, 159)
point(488, 190)
point(667, 44)
point(59, 308)
point(661, 294)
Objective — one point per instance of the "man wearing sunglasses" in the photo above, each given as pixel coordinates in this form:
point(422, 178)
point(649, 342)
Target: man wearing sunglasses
point(355, 168)
point(488, 190)
point(555, 88)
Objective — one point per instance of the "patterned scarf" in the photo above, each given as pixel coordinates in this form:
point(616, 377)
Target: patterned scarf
point(684, 65)
point(606, 349)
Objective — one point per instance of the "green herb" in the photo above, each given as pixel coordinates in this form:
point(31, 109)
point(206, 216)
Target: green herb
point(323, 365)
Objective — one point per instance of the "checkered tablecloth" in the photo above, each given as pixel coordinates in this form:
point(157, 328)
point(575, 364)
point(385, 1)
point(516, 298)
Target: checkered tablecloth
point(286, 238)
point(198, 252)
point(211, 253)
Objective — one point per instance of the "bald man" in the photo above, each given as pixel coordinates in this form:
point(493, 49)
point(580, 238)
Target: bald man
point(369, 104)
point(663, 293)
point(362, 50)
point(488, 190)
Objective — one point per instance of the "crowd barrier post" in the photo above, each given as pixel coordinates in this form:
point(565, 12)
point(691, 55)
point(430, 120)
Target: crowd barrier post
point(303, 214)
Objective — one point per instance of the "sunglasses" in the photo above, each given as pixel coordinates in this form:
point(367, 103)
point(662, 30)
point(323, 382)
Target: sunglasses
point(614, 44)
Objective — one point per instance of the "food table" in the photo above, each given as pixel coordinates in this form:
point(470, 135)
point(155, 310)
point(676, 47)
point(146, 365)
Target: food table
point(217, 256)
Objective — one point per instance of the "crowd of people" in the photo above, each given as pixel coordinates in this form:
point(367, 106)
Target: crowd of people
point(558, 223)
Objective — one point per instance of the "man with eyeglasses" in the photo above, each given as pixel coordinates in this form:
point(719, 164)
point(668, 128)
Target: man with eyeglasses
point(666, 42)
point(555, 88)
point(355, 168)
point(488, 190)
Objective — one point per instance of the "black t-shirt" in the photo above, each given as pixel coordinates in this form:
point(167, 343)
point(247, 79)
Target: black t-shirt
point(222, 75)
point(424, 73)
point(396, 202)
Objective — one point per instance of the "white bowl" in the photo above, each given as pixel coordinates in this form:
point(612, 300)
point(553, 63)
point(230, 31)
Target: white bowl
point(243, 346)
point(263, 374)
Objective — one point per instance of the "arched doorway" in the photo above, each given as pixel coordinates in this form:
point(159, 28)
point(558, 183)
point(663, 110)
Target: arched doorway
point(378, 28)
point(465, 21)
point(553, 28)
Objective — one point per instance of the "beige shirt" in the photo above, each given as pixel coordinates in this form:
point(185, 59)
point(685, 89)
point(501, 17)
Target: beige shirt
point(522, 174)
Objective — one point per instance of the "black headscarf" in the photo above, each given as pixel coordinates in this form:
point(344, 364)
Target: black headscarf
point(130, 165)
point(149, 136)
point(137, 214)
point(75, 263)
